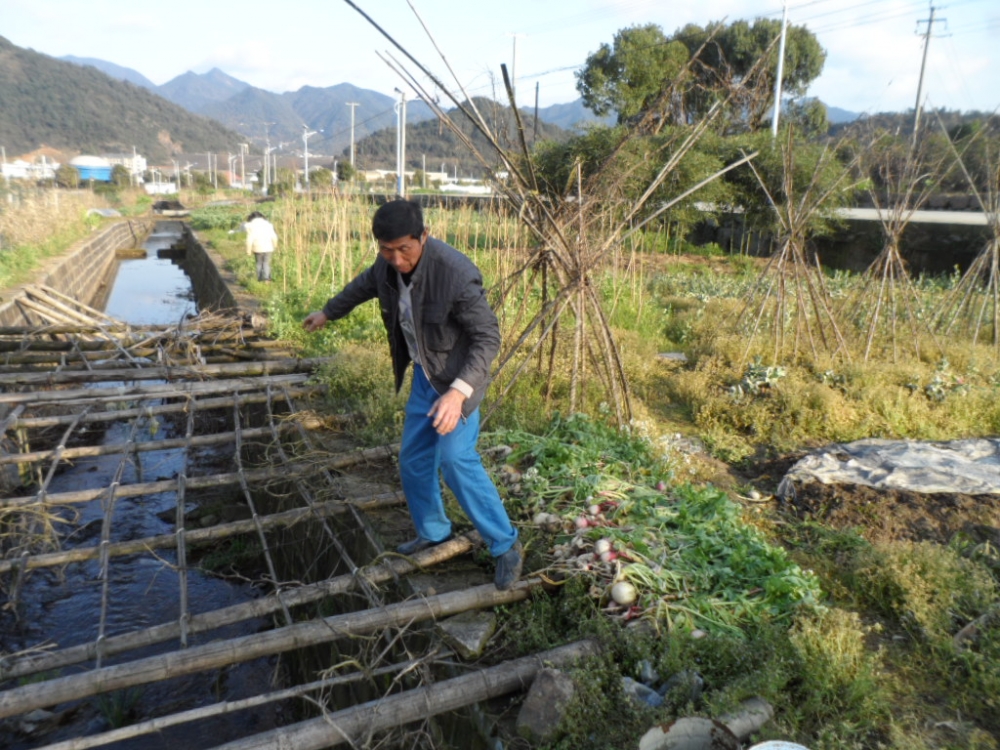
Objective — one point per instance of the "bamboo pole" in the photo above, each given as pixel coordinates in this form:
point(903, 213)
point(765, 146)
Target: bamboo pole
point(219, 654)
point(114, 373)
point(204, 536)
point(390, 569)
point(226, 707)
point(41, 298)
point(181, 389)
point(141, 348)
point(167, 485)
point(218, 438)
point(357, 725)
point(31, 423)
point(93, 312)
point(248, 496)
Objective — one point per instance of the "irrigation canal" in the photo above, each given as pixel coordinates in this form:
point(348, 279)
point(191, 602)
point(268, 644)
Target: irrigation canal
point(193, 556)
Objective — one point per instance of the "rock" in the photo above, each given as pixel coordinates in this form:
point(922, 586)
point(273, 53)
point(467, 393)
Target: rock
point(640, 693)
point(752, 714)
point(690, 734)
point(688, 682)
point(469, 632)
point(647, 674)
point(541, 716)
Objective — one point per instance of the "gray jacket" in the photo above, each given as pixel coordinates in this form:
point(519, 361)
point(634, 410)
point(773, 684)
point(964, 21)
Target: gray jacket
point(457, 333)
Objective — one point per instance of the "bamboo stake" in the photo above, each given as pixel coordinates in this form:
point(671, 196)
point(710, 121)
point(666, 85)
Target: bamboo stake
point(357, 725)
point(218, 654)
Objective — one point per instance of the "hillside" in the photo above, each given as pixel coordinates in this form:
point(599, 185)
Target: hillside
point(80, 109)
point(432, 143)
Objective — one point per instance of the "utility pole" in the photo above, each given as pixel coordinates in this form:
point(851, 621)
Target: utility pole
point(923, 65)
point(401, 145)
point(243, 166)
point(352, 105)
point(513, 65)
point(306, 132)
point(267, 156)
point(781, 71)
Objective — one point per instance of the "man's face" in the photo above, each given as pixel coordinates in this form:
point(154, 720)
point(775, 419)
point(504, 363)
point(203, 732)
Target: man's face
point(403, 253)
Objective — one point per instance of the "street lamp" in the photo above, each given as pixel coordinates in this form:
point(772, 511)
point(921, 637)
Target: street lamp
point(244, 147)
point(306, 132)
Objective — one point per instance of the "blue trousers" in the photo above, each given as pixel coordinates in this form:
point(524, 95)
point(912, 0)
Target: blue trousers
point(424, 453)
point(263, 266)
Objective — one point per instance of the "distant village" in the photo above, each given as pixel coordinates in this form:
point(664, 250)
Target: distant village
point(241, 171)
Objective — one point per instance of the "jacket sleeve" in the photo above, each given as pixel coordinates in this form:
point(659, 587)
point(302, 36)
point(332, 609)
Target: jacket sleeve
point(363, 288)
point(474, 315)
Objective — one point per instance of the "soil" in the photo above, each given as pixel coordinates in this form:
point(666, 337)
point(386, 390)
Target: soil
point(884, 515)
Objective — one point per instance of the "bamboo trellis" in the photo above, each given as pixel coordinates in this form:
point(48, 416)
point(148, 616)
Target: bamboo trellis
point(79, 412)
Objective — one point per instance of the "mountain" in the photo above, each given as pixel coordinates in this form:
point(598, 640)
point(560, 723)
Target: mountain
point(433, 144)
point(50, 102)
point(323, 110)
point(194, 91)
point(115, 71)
point(837, 116)
point(572, 115)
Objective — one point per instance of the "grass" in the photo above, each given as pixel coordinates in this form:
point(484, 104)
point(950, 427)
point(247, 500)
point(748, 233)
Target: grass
point(850, 640)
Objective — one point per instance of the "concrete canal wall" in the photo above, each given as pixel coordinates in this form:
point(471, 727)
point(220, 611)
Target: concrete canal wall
point(84, 272)
point(215, 287)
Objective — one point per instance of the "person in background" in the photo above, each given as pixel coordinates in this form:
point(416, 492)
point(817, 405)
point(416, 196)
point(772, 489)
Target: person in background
point(261, 240)
point(436, 314)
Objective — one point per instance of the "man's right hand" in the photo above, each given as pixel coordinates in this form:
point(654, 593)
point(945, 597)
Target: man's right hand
point(314, 321)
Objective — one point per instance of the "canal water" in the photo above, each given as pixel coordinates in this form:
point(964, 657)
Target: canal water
point(62, 607)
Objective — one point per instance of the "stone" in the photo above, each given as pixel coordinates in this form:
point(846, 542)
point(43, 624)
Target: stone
point(469, 632)
point(540, 720)
point(641, 693)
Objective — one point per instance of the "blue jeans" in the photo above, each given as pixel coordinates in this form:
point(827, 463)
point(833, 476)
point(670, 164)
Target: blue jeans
point(263, 266)
point(423, 453)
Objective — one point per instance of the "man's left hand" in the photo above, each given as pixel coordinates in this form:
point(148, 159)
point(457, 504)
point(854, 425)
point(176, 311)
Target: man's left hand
point(446, 411)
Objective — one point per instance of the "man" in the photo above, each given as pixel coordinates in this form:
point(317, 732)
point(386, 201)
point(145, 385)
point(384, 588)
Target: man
point(261, 239)
point(436, 315)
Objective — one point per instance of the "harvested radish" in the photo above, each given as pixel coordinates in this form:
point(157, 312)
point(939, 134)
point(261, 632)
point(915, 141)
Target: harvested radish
point(624, 593)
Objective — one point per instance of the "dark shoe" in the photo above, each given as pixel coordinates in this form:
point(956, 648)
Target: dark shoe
point(419, 544)
point(509, 567)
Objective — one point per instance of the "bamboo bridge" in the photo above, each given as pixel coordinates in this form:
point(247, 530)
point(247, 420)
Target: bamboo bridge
point(342, 630)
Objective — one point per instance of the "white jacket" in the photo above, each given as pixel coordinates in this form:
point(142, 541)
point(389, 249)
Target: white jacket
point(261, 237)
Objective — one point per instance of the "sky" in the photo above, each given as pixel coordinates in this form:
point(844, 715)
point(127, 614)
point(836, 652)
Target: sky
point(874, 48)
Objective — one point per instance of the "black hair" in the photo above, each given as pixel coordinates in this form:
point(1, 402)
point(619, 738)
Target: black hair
point(255, 215)
point(398, 218)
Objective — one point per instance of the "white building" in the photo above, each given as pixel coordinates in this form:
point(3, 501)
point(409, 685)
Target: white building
point(134, 163)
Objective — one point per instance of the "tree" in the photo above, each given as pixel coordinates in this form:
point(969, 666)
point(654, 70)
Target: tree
point(320, 177)
point(345, 172)
point(644, 69)
point(67, 177)
point(120, 176)
point(627, 76)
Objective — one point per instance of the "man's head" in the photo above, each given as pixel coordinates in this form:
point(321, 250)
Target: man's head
point(255, 215)
point(398, 227)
